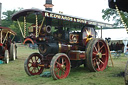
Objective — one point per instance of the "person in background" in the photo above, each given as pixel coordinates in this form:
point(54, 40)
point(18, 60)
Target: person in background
point(126, 53)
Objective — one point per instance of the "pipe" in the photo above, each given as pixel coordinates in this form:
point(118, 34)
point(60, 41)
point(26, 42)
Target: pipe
point(48, 6)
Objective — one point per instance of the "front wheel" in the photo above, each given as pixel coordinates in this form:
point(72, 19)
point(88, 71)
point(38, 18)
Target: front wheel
point(32, 64)
point(60, 66)
point(97, 55)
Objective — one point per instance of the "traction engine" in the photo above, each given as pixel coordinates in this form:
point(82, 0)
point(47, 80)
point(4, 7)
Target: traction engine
point(64, 42)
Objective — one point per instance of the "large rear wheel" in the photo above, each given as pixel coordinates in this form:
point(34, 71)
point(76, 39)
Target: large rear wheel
point(32, 64)
point(97, 55)
point(60, 66)
point(12, 52)
point(6, 57)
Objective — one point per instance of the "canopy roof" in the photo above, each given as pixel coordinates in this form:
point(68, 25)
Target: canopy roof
point(67, 20)
point(121, 4)
point(5, 29)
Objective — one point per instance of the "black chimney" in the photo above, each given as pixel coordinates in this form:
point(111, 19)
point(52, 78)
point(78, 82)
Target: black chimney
point(48, 6)
point(48, 1)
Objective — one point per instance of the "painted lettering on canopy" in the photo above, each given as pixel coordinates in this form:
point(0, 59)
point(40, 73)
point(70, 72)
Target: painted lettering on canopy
point(73, 19)
point(62, 17)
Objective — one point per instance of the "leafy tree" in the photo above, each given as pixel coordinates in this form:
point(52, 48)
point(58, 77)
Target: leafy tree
point(112, 14)
point(7, 22)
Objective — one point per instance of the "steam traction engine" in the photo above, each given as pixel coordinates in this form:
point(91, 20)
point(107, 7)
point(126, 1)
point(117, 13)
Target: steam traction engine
point(64, 42)
point(8, 48)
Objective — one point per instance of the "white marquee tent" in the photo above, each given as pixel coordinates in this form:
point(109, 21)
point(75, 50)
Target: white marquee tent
point(114, 34)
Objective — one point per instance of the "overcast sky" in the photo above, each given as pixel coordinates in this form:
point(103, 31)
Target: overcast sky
point(88, 9)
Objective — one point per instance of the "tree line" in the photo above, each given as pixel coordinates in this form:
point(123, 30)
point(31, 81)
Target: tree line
point(7, 22)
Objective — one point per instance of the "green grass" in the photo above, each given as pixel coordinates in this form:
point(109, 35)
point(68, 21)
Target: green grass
point(14, 73)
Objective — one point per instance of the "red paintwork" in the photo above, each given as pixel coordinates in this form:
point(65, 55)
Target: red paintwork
point(58, 67)
point(104, 51)
point(76, 55)
point(33, 64)
point(5, 28)
point(28, 39)
point(1, 44)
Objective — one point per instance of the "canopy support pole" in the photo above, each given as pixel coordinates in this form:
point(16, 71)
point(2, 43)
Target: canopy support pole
point(24, 26)
point(101, 31)
point(5, 37)
point(41, 24)
point(36, 26)
point(1, 36)
point(13, 38)
point(20, 28)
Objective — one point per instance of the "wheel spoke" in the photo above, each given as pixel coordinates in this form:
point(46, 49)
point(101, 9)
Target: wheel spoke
point(104, 54)
point(29, 62)
point(101, 61)
point(32, 60)
point(94, 58)
point(38, 68)
point(63, 70)
point(95, 49)
point(62, 61)
point(57, 71)
point(98, 44)
point(36, 58)
point(34, 69)
point(98, 65)
point(29, 66)
point(58, 60)
point(58, 63)
point(101, 47)
point(94, 62)
point(94, 53)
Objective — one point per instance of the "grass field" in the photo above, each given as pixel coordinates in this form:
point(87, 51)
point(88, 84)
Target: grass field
point(14, 73)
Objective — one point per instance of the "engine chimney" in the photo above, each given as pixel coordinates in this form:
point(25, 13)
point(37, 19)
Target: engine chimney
point(48, 6)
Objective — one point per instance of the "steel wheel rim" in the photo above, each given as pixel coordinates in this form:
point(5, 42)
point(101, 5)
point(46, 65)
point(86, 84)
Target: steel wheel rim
point(14, 52)
point(61, 67)
point(100, 55)
point(33, 64)
point(6, 56)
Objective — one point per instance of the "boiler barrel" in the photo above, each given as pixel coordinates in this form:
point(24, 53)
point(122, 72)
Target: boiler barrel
point(53, 48)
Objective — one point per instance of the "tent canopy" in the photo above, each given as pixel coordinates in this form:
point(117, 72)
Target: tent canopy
point(114, 34)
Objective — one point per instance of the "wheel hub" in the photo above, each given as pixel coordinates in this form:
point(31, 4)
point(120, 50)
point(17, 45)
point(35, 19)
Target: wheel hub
point(63, 66)
point(34, 64)
point(99, 55)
